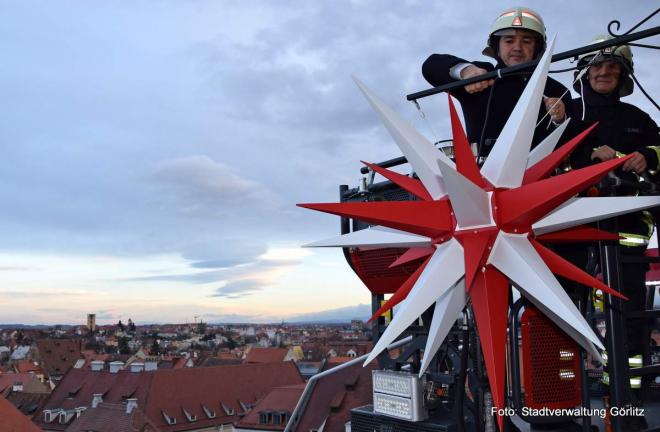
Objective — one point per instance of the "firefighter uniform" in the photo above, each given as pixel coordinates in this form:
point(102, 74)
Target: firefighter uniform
point(506, 92)
point(625, 129)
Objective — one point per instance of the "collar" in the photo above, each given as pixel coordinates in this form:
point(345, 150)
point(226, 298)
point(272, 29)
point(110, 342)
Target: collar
point(593, 98)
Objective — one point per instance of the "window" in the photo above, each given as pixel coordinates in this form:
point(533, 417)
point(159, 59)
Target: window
point(191, 417)
point(228, 411)
point(266, 417)
point(209, 414)
point(168, 419)
point(50, 415)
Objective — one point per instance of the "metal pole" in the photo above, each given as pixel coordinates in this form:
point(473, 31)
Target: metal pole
point(617, 361)
point(293, 421)
point(621, 40)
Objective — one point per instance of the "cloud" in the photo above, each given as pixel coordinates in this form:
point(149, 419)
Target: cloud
point(221, 116)
point(203, 184)
point(238, 280)
point(344, 314)
point(240, 288)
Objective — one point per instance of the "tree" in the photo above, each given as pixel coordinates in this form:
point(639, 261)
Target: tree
point(122, 345)
point(155, 346)
point(201, 328)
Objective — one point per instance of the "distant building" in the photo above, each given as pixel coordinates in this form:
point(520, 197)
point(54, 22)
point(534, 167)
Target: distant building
point(91, 322)
point(267, 355)
point(357, 325)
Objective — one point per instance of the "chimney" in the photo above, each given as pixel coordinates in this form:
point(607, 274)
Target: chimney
point(97, 365)
point(150, 365)
point(137, 367)
point(115, 366)
point(97, 399)
point(17, 387)
point(131, 404)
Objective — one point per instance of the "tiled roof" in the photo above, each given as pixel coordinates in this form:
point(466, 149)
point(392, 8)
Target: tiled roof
point(30, 383)
point(27, 403)
point(220, 389)
point(111, 418)
point(280, 399)
point(25, 366)
point(266, 355)
point(218, 361)
point(13, 420)
point(78, 386)
point(195, 397)
point(334, 396)
point(58, 355)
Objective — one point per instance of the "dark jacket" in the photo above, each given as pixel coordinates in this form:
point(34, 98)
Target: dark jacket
point(623, 127)
point(506, 92)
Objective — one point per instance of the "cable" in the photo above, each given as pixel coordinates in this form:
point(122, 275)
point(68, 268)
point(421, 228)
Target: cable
point(483, 128)
point(644, 91)
point(564, 70)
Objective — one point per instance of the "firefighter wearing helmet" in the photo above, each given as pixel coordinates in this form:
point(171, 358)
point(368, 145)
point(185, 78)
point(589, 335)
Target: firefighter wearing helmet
point(517, 36)
point(622, 129)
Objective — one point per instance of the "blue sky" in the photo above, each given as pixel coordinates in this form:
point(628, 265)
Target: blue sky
point(153, 152)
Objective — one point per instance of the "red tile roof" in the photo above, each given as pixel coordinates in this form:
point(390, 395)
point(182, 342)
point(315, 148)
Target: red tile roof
point(27, 403)
point(13, 420)
point(280, 399)
point(25, 366)
point(58, 355)
point(78, 386)
point(334, 396)
point(215, 388)
point(266, 355)
point(7, 381)
point(218, 389)
point(112, 418)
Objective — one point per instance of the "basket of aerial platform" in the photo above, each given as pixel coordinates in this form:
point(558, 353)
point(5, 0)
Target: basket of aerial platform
point(454, 391)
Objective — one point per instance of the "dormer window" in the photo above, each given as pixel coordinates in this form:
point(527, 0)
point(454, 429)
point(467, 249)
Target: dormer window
point(209, 413)
point(265, 417)
point(191, 417)
point(169, 420)
point(228, 411)
point(246, 407)
point(50, 415)
point(65, 416)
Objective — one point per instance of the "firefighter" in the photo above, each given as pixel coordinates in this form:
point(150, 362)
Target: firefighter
point(517, 36)
point(623, 129)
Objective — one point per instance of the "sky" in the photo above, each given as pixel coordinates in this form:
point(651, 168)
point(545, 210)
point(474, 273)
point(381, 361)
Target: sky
point(152, 152)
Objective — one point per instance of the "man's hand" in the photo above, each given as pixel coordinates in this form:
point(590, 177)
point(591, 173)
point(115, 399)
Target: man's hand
point(555, 108)
point(473, 71)
point(636, 163)
point(604, 153)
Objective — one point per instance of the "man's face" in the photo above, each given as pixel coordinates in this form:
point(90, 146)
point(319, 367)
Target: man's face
point(517, 48)
point(604, 76)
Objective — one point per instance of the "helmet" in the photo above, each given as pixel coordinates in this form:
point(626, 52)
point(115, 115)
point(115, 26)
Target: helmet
point(516, 18)
point(621, 54)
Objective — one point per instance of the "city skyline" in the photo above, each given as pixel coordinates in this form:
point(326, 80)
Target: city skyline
point(153, 153)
